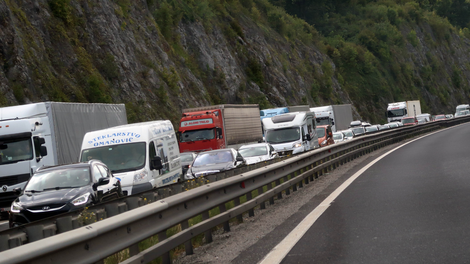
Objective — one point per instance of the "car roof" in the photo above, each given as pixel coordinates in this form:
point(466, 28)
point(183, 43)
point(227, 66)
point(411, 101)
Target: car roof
point(218, 150)
point(72, 165)
point(254, 145)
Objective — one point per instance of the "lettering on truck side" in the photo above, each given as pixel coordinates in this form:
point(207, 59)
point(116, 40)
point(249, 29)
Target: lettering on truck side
point(101, 140)
point(170, 179)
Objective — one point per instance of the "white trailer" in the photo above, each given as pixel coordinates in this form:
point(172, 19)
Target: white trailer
point(141, 155)
point(396, 111)
point(337, 116)
point(46, 134)
point(292, 132)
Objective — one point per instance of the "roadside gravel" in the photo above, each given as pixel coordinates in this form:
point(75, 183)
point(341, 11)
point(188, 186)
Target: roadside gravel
point(238, 245)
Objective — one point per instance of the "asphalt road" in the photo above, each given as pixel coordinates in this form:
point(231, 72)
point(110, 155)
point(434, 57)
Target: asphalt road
point(413, 206)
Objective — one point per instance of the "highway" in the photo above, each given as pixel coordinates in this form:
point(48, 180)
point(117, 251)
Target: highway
point(409, 207)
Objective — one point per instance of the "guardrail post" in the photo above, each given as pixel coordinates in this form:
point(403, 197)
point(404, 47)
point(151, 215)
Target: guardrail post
point(222, 209)
point(251, 212)
point(262, 205)
point(279, 195)
point(208, 233)
point(236, 201)
point(166, 259)
point(134, 250)
point(188, 245)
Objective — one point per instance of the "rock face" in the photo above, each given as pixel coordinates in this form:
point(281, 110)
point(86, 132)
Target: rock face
point(100, 51)
point(122, 51)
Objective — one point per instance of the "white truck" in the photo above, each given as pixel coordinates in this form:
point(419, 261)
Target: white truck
point(292, 132)
point(46, 134)
point(142, 156)
point(462, 107)
point(337, 116)
point(396, 111)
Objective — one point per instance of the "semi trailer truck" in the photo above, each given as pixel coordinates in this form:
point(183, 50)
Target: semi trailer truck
point(396, 111)
point(219, 126)
point(46, 134)
point(337, 116)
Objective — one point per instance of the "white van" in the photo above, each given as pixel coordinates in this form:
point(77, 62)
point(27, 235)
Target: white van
point(291, 132)
point(424, 118)
point(141, 155)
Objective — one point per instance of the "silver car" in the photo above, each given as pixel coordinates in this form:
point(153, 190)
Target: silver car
point(254, 153)
point(338, 137)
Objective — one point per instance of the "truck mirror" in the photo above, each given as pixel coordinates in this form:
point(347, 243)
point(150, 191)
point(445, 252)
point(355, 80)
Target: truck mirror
point(156, 163)
point(178, 135)
point(43, 151)
point(41, 141)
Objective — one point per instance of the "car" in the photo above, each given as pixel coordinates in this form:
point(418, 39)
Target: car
point(214, 161)
point(358, 130)
point(462, 113)
point(393, 125)
point(449, 116)
point(384, 127)
point(254, 153)
point(348, 134)
point(355, 123)
point(186, 158)
point(371, 129)
point(325, 135)
point(338, 137)
point(59, 189)
point(409, 121)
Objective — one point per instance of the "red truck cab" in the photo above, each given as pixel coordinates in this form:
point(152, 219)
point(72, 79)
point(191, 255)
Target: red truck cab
point(325, 135)
point(201, 131)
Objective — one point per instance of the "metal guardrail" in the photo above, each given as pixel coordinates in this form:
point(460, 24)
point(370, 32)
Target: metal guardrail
point(94, 242)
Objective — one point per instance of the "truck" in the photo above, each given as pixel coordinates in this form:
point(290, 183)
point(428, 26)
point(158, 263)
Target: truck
point(219, 126)
point(337, 116)
point(462, 107)
point(396, 111)
point(291, 133)
point(142, 155)
point(46, 134)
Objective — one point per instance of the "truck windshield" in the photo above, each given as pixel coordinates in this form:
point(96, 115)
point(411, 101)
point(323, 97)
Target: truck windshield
point(283, 135)
point(396, 112)
point(15, 150)
point(195, 135)
point(320, 132)
point(118, 158)
point(321, 121)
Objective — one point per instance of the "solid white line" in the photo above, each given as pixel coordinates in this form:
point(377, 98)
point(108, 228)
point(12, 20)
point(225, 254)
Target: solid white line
point(279, 252)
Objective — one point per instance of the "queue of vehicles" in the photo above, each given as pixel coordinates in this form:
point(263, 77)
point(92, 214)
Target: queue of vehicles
point(116, 159)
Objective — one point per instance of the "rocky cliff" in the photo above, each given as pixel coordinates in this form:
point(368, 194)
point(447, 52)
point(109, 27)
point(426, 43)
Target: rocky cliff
point(158, 57)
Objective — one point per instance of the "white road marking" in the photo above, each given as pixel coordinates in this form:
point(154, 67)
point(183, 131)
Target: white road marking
point(279, 252)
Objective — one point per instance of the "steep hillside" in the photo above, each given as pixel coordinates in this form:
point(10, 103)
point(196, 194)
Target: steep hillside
point(159, 56)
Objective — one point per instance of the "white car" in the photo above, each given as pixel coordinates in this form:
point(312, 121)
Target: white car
point(348, 134)
point(338, 137)
point(254, 153)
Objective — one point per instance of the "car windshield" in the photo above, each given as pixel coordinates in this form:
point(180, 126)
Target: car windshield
point(371, 128)
point(60, 178)
point(396, 112)
point(408, 120)
point(15, 150)
point(213, 158)
point(358, 130)
point(348, 133)
point(283, 135)
point(186, 157)
point(253, 151)
point(320, 132)
point(337, 136)
point(195, 135)
point(118, 158)
point(321, 121)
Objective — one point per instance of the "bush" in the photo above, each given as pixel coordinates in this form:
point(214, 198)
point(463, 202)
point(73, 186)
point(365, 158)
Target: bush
point(255, 73)
point(412, 38)
point(62, 9)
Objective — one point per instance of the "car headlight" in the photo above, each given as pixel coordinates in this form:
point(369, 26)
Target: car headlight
point(140, 176)
point(324, 142)
point(16, 207)
point(297, 145)
point(82, 199)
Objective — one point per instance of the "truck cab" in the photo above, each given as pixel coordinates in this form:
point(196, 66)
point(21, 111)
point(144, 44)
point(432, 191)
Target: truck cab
point(291, 133)
point(201, 131)
point(325, 135)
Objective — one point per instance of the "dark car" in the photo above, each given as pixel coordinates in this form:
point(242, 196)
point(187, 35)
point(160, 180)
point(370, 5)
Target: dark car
point(213, 161)
point(186, 159)
point(58, 189)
